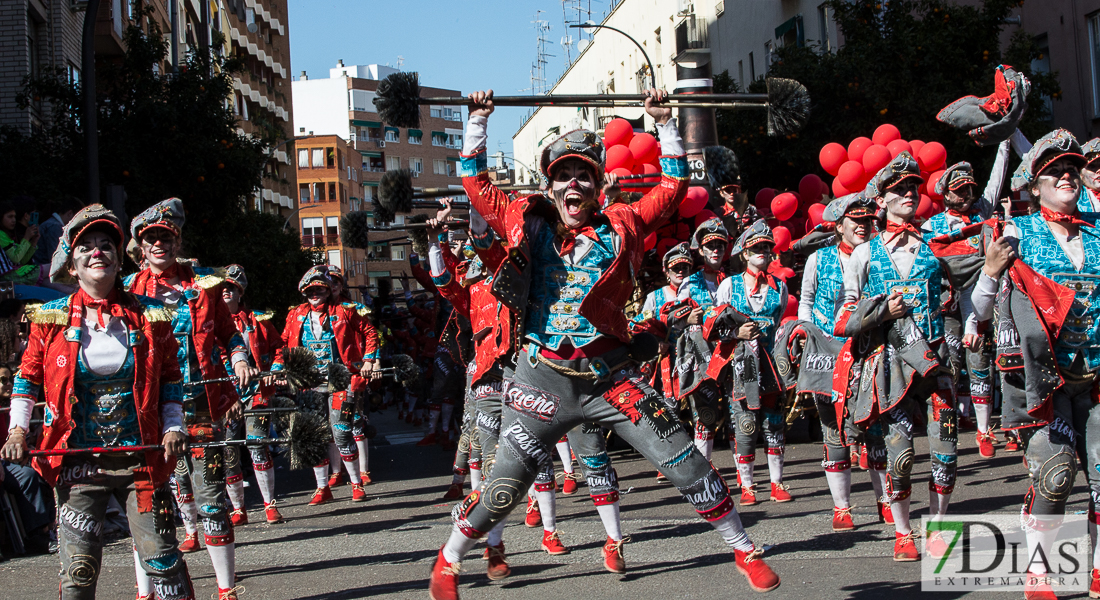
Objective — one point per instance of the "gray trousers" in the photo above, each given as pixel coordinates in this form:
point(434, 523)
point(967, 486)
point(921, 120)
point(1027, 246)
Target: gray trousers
point(200, 477)
point(935, 396)
point(746, 425)
point(252, 427)
point(542, 404)
point(84, 488)
point(836, 456)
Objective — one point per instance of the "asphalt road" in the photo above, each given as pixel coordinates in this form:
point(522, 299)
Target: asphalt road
point(385, 547)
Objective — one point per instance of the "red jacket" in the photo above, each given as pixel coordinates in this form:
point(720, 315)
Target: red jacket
point(50, 363)
point(345, 327)
point(603, 305)
point(211, 325)
point(263, 341)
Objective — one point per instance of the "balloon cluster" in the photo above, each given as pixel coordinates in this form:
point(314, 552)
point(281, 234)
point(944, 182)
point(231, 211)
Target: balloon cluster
point(853, 167)
point(793, 212)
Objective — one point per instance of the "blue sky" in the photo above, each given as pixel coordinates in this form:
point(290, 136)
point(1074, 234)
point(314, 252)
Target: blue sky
point(452, 45)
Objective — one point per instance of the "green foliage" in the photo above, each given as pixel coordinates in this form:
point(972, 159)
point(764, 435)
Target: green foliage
point(165, 135)
point(897, 65)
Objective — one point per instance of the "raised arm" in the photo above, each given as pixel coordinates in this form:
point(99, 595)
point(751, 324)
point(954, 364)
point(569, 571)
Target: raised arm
point(485, 197)
point(661, 202)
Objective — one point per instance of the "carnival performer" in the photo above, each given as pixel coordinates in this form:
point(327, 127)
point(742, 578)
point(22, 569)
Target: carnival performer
point(693, 350)
point(105, 360)
point(1048, 263)
point(965, 208)
point(892, 293)
point(852, 219)
point(572, 263)
point(262, 340)
point(200, 320)
point(1089, 200)
point(753, 393)
point(330, 329)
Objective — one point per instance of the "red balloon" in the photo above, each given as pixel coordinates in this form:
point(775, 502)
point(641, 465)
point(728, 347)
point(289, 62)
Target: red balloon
point(655, 170)
point(642, 169)
point(620, 157)
point(666, 244)
point(932, 156)
point(875, 158)
point(886, 134)
point(703, 215)
point(651, 241)
point(814, 213)
point(857, 148)
point(782, 237)
point(784, 206)
point(792, 307)
point(924, 209)
point(896, 147)
point(618, 132)
point(809, 188)
point(839, 189)
point(764, 199)
point(644, 147)
point(694, 202)
point(916, 145)
point(621, 172)
point(832, 155)
point(850, 175)
point(930, 186)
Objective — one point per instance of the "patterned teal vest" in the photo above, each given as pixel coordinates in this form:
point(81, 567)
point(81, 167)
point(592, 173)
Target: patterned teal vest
point(322, 346)
point(557, 289)
point(698, 290)
point(105, 414)
point(921, 290)
point(769, 315)
point(940, 226)
point(1039, 249)
point(830, 287)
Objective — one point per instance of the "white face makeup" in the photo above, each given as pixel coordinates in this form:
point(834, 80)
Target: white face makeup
point(960, 200)
point(713, 252)
point(574, 190)
point(855, 231)
point(677, 273)
point(901, 200)
point(95, 259)
point(759, 256)
point(160, 247)
point(317, 295)
point(1058, 185)
point(1090, 176)
point(231, 294)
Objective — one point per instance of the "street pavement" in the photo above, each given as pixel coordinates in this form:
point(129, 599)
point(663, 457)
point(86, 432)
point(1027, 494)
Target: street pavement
point(385, 547)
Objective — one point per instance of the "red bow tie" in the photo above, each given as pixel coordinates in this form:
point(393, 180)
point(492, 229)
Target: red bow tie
point(108, 305)
point(845, 247)
point(897, 228)
point(1060, 217)
point(569, 239)
point(959, 215)
point(760, 278)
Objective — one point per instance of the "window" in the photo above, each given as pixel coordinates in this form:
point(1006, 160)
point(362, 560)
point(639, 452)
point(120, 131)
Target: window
point(454, 140)
point(303, 159)
point(769, 55)
point(303, 193)
point(1042, 65)
point(823, 17)
point(752, 69)
point(439, 167)
point(397, 252)
point(368, 193)
point(332, 191)
point(741, 74)
point(439, 138)
point(330, 158)
point(399, 220)
point(393, 163)
point(415, 136)
point(362, 100)
point(332, 225)
point(318, 158)
point(416, 165)
point(452, 114)
point(319, 192)
point(340, 158)
point(436, 112)
point(393, 134)
point(334, 258)
point(313, 232)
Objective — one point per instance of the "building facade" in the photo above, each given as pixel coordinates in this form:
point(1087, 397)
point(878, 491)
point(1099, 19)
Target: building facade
point(342, 106)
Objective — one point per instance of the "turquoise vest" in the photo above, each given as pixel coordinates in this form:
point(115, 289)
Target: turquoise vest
point(940, 226)
point(1039, 249)
point(921, 290)
point(557, 289)
point(698, 290)
point(830, 287)
point(105, 414)
point(1084, 201)
point(323, 346)
point(769, 315)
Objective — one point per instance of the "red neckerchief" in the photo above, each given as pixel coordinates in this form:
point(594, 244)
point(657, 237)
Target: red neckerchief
point(959, 215)
point(845, 247)
point(1060, 217)
point(897, 228)
point(109, 305)
point(718, 275)
point(759, 278)
point(569, 241)
point(240, 319)
point(163, 278)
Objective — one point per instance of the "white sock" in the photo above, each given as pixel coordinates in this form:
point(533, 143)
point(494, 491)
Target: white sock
point(321, 475)
point(144, 585)
point(609, 514)
point(840, 486)
point(475, 479)
point(729, 527)
point(445, 416)
point(190, 512)
point(265, 480)
point(547, 509)
point(364, 455)
point(900, 509)
point(410, 402)
point(1044, 535)
point(566, 456)
point(963, 403)
point(745, 469)
point(433, 420)
point(982, 412)
point(224, 560)
point(457, 546)
point(496, 534)
point(352, 467)
point(775, 467)
point(334, 458)
point(235, 491)
point(878, 481)
point(458, 477)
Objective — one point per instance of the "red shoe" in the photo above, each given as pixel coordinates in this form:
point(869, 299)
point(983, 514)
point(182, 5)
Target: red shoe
point(985, 444)
point(661, 478)
point(613, 556)
point(358, 494)
point(190, 543)
point(1094, 586)
point(444, 580)
point(885, 513)
point(863, 464)
point(1037, 587)
point(842, 519)
point(534, 517)
point(336, 479)
point(905, 550)
point(229, 594)
point(366, 478)
point(321, 496)
point(761, 577)
point(429, 440)
point(238, 517)
point(935, 545)
point(748, 495)
point(552, 543)
point(569, 484)
point(498, 565)
point(146, 597)
point(273, 515)
point(454, 492)
point(1012, 445)
point(780, 493)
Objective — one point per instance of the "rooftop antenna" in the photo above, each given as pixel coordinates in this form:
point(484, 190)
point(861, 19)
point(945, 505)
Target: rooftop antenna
point(400, 62)
point(538, 68)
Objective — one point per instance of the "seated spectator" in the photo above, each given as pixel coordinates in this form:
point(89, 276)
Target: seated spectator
point(30, 493)
point(15, 260)
point(49, 229)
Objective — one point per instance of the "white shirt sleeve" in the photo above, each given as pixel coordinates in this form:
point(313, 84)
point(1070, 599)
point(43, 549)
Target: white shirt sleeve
point(171, 417)
point(476, 135)
point(855, 276)
point(725, 291)
point(435, 259)
point(671, 142)
point(477, 222)
point(1020, 143)
point(988, 202)
point(809, 289)
point(21, 409)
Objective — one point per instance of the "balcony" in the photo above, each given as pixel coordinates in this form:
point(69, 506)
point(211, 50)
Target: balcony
point(319, 241)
